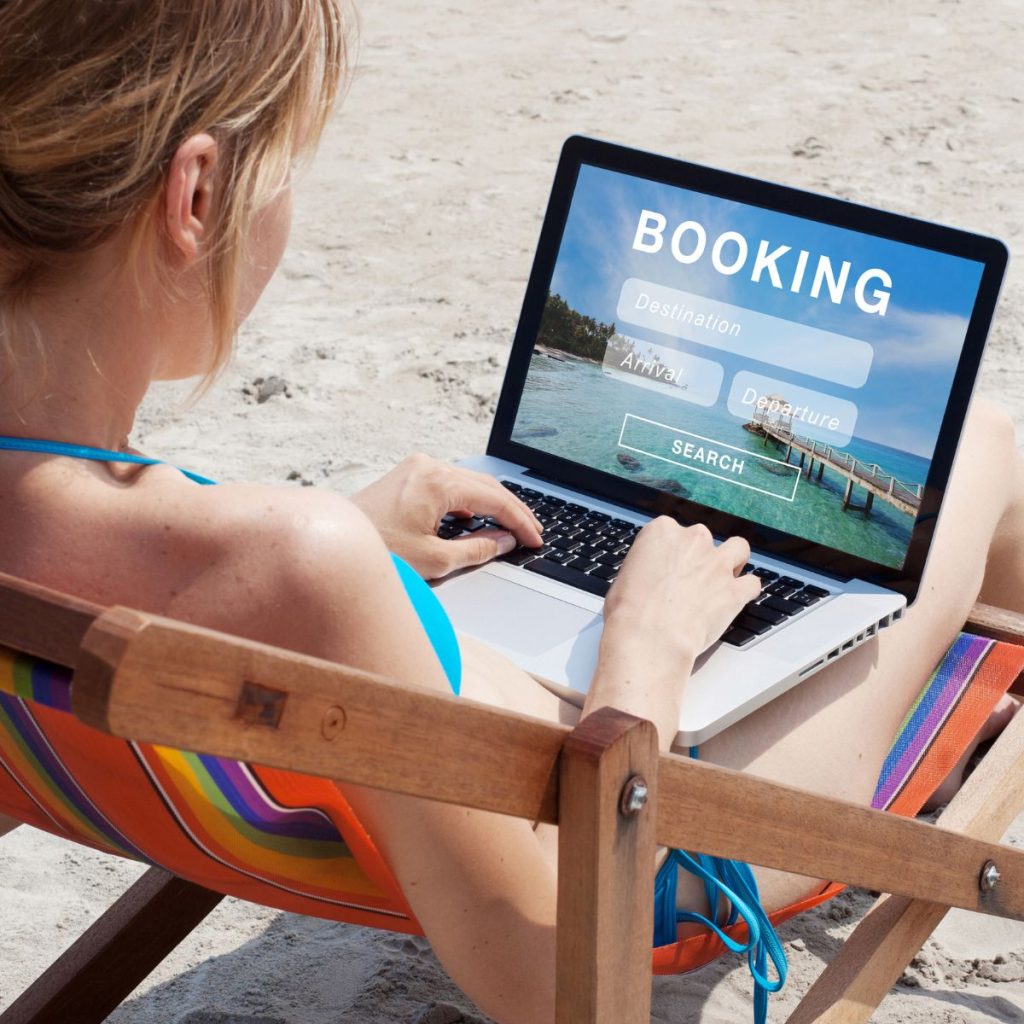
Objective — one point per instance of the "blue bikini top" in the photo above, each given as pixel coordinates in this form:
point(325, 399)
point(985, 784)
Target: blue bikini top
point(432, 616)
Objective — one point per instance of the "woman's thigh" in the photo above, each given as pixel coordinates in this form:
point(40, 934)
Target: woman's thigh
point(831, 733)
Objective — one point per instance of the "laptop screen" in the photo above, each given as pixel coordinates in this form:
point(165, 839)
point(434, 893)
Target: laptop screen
point(786, 371)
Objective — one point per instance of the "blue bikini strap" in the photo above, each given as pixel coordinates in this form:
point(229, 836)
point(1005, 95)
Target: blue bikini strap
point(78, 451)
point(436, 624)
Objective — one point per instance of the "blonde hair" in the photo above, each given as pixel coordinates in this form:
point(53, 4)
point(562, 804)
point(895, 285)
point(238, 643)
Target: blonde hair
point(97, 96)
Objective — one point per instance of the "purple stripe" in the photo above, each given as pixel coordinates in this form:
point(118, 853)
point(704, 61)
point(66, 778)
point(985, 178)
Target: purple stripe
point(51, 685)
point(254, 808)
point(240, 868)
point(52, 768)
point(953, 679)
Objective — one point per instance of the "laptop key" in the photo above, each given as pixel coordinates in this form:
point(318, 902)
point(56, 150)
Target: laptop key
point(565, 544)
point(756, 626)
point(769, 615)
point(765, 575)
point(737, 636)
point(470, 525)
point(581, 564)
point(521, 555)
point(780, 604)
point(801, 597)
point(562, 573)
point(554, 555)
point(815, 591)
point(606, 572)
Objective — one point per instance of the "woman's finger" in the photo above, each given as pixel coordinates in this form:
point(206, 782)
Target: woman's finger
point(477, 548)
point(490, 481)
point(736, 551)
point(466, 491)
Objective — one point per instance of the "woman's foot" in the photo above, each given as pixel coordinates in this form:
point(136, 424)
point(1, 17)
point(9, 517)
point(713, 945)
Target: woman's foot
point(1007, 707)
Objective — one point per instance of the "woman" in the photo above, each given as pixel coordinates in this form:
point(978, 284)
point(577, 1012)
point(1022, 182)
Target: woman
point(145, 149)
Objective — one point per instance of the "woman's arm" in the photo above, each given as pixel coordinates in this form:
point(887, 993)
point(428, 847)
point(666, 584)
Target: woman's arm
point(319, 580)
point(479, 883)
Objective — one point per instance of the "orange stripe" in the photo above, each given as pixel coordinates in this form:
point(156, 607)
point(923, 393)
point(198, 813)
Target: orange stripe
point(336, 878)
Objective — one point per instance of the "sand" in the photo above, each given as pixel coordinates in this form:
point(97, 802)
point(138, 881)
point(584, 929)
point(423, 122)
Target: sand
point(388, 327)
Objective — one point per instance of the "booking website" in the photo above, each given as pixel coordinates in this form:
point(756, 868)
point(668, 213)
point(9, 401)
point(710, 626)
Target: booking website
point(779, 369)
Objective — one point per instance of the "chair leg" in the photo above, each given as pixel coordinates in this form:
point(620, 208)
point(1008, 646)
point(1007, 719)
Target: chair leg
point(606, 870)
point(876, 954)
point(102, 967)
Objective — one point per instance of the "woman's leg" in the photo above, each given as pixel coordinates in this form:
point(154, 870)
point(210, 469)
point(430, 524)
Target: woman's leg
point(831, 734)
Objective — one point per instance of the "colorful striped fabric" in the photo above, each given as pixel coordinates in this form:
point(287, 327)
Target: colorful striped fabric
point(292, 842)
point(946, 716)
point(268, 836)
point(948, 713)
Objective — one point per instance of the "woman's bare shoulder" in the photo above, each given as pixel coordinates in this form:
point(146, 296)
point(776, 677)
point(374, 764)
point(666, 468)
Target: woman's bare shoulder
point(269, 563)
point(262, 561)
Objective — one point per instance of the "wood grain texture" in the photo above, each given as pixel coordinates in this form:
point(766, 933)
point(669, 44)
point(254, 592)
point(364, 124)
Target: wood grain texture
point(731, 814)
point(42, 622)
point(605, 872)
point(874, 957)
point(99, 970)
point(185, 686)
point(188, 687)
point(997, 623)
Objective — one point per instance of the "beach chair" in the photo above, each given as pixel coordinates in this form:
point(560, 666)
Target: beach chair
point(613, 796)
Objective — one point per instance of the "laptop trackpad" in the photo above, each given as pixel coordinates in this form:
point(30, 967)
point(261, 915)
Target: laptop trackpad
point(505, 614)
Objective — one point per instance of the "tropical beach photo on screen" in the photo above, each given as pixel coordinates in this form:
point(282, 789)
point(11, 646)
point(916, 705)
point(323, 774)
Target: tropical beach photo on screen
point(783, 370)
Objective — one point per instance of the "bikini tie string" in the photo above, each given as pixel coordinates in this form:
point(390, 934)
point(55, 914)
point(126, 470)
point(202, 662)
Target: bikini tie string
point(733, 881)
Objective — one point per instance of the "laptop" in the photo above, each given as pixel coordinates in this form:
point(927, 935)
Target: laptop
point(778, 365)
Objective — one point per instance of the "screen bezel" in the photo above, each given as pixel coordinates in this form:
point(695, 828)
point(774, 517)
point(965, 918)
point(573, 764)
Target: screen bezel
point(990, 252)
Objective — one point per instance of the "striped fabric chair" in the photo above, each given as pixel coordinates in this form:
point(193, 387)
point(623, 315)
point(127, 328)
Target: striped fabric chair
point(225, 823)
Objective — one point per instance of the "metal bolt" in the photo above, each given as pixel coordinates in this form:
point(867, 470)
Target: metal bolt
point(990, 877)
point(634, 796)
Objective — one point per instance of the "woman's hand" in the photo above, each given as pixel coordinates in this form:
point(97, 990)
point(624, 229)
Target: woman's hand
point(407, 504)
point(675, 595)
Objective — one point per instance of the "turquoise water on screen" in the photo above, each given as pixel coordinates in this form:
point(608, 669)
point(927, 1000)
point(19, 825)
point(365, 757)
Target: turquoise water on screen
point(572, 409)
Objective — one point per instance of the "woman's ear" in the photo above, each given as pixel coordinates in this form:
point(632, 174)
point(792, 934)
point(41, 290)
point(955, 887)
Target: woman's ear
point(189, 195)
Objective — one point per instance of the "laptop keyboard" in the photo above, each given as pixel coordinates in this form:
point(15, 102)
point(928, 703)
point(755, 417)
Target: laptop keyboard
point(585, 548)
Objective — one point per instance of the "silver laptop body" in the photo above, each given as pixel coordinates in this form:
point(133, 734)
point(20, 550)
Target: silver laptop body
point(644, 414)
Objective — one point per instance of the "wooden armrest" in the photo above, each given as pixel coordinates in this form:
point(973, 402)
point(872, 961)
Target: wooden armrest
point(42, 622)
point(160, 681)
point(997, 623)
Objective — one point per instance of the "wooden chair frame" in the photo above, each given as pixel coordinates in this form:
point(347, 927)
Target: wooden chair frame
point(613, 796)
